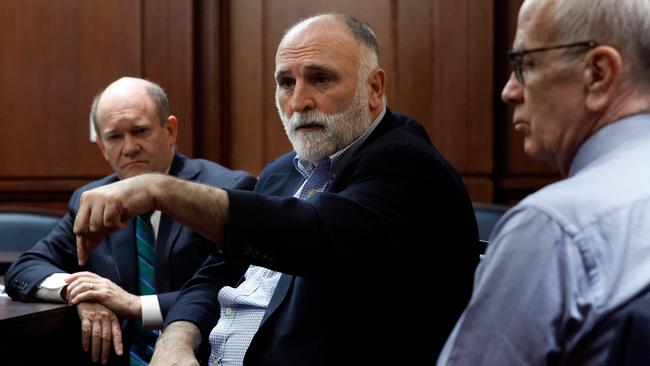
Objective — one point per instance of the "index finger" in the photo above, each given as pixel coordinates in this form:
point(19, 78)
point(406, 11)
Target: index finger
point(82, 253)
point(81, 230)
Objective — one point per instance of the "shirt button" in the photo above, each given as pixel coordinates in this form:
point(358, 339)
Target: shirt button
point(228, 313)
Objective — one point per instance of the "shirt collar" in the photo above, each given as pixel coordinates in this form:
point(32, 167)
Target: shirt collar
point(621, 135)
point(339, 158)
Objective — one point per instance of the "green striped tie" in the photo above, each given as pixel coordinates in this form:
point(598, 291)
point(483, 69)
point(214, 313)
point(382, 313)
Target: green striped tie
point(143, 340)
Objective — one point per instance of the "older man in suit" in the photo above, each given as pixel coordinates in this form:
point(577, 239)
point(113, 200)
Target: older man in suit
point(136, 134)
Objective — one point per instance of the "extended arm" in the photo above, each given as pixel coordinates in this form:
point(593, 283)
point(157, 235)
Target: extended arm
point(108, 208)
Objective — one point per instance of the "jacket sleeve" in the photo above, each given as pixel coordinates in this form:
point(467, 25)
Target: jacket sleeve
point(55, 253)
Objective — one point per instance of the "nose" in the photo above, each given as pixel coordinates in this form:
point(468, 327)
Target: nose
point(513, 92)
point(302, 98)
point(131, 145)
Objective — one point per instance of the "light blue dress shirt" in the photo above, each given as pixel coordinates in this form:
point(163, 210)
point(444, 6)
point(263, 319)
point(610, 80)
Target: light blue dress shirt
point(242, 308)
point(564, 260)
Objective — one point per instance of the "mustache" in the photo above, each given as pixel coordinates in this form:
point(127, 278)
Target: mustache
point(308, 119)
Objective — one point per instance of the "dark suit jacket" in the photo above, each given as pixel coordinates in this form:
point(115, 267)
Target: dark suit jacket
point(631, 345)
point(179, 251)
point(376, 269)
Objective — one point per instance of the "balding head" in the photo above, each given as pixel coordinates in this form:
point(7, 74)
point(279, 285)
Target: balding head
point(335, 22)
point(329, 87)
point(132, 89)
point(136, 134)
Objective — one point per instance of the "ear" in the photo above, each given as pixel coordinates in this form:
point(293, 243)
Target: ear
point(172, 128)
point(604, 66)
point(101, 147)
point(377, 80)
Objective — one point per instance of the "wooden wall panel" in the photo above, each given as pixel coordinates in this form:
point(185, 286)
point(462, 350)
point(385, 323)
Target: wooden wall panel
point(211, 133)
point(246, 120)
point(168, 59)
point(444, 79)
point(446, 61)
point(55, 57)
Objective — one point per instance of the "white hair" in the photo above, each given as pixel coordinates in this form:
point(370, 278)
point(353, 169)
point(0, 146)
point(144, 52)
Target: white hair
point(622, 24)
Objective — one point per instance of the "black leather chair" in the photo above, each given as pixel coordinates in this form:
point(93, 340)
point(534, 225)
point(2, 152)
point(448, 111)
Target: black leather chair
point(20, 229)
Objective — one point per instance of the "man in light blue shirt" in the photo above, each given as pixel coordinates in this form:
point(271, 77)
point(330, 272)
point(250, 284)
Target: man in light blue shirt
point(563, 263)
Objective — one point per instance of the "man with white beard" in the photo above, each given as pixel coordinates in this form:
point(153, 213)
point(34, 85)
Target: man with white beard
point(341, 239)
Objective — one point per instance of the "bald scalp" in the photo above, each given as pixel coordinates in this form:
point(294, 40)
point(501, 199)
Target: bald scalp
point(358, 30)
point(131, 85)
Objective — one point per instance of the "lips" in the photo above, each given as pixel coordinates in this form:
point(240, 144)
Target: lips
point(133, 163)
point(308, 126)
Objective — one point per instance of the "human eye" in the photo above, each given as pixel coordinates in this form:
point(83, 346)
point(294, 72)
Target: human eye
point(286, 82)
point(528, 62)
point(113, 137)
point(321, 78)
point(139, 131)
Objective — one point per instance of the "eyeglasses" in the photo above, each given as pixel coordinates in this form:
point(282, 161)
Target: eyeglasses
point(517, 57)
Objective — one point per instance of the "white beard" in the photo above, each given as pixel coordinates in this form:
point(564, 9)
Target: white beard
point(330, 132)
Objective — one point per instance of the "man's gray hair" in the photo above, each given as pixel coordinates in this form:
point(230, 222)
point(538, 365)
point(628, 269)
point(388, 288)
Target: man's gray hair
point(622, 24)
point(155, 92)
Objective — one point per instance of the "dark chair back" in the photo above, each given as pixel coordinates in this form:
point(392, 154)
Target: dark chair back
point(487, 215)
point(20, 229)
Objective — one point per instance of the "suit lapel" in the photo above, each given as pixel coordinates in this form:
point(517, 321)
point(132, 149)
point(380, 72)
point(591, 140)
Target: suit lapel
point(169, 229)
point(123, 247)
point(281, 291)
point(168, 232)
point(284, 184)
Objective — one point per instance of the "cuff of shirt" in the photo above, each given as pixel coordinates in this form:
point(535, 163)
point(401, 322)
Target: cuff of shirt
point(151, 314)
point(50, 288)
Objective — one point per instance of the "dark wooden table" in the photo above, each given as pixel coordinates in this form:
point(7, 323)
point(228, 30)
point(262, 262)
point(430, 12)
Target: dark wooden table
point(39, 333)
point(19, 319)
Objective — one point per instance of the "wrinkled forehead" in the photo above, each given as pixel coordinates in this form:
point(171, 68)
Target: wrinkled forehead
point(316, 42)
point(122, 101)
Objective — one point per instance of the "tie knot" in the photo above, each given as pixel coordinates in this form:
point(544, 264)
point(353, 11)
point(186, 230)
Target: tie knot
point(146, 217)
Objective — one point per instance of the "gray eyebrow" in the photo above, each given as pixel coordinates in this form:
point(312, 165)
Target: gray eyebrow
point(309, 67)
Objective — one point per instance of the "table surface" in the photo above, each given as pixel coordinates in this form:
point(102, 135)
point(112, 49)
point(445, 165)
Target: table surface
point(39, 333)
point(17, 312)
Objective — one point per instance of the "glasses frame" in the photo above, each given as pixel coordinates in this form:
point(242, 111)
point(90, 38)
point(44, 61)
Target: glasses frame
point(517, 57)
